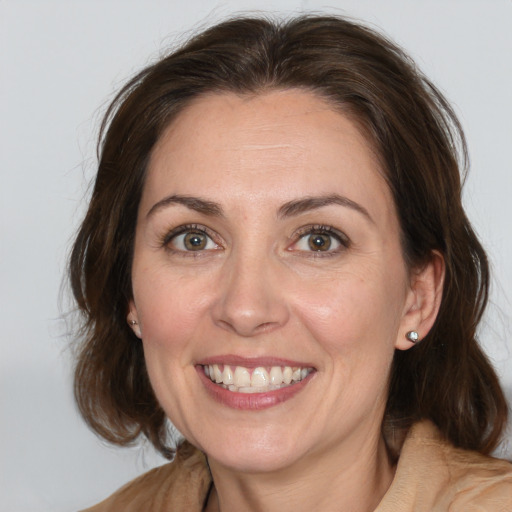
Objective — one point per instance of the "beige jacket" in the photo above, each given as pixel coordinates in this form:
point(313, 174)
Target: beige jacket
point(431, 476)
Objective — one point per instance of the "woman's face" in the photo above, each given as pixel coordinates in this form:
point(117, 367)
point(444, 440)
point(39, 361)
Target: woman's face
point(267, 249)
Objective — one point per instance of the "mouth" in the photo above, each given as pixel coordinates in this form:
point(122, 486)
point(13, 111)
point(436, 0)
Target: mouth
point(261, 379)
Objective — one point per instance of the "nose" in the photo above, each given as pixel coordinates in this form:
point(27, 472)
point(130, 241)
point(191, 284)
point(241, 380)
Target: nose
point(250, 300)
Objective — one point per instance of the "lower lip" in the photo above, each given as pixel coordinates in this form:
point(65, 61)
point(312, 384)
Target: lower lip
point(251, 401)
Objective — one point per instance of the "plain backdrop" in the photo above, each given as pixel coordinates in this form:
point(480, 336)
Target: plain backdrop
point(60, 63)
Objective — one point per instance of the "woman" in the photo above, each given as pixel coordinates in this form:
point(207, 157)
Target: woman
point(276, 258)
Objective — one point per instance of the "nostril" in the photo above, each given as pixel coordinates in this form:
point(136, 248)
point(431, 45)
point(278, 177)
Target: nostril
point(247, 327)
point(267, 326)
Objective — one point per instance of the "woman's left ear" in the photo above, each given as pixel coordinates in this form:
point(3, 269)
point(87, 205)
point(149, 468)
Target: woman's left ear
point(133, 319)
point(423, 302)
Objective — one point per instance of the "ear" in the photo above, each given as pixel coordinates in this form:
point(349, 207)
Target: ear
point(133, 319)
point(423, 300)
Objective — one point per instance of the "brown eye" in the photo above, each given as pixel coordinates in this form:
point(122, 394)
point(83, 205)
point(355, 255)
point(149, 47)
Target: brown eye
point(320, 239)
point(195, 241)
point(191, 240)
point(319, 242)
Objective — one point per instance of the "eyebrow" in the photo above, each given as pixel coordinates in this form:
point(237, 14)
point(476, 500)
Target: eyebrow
point(306, 204)
point(289, 209)
point(197, 204)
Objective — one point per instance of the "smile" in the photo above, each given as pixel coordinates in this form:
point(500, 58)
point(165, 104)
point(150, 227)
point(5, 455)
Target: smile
point(240, 379)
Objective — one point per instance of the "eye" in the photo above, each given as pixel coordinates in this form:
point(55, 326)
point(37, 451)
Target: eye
point(190, 239)
point(320, 239)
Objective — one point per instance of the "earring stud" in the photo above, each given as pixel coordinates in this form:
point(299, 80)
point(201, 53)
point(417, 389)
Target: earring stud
point(413, 336)
point(135, 327)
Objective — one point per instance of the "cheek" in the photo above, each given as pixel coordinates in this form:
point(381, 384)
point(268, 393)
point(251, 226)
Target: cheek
point(171, 313)
point(170, 308)
point(354, 309)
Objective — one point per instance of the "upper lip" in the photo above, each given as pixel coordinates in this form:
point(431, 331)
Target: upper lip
point(252, 362)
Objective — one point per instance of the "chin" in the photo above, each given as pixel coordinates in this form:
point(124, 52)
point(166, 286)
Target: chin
point(254, 453)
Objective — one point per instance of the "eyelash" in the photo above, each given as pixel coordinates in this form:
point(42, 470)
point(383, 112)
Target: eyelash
point(317, 229)
point(320, 229)
point(181, 230)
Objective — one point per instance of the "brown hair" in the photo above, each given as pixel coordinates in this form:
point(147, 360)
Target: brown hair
point(417, 136)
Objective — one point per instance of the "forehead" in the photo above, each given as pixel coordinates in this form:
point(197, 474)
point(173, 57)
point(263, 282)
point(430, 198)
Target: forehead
point(273, 146)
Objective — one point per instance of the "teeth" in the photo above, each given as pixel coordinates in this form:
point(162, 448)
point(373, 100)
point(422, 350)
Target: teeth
point(227, 375)
point(257, 380)
point(217, 374)
point(276, 375)
point(241, 377)
point(249, 390)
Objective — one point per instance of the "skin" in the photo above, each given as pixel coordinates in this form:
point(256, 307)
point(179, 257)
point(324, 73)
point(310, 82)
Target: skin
point(258, 290)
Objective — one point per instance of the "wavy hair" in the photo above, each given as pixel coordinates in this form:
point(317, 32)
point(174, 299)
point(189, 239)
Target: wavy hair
point(421, 146)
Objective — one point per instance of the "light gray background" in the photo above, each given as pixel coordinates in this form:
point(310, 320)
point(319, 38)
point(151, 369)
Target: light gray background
point(60, 61)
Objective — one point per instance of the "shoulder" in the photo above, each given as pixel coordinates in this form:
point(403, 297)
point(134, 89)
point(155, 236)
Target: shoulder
point(433, 475)
point(182, 484)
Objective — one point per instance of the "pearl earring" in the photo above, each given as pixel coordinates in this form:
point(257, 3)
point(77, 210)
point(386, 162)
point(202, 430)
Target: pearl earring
point(135, 327)
point(413, 336)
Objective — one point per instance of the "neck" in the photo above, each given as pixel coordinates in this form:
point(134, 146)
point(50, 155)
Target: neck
point(351, 478)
